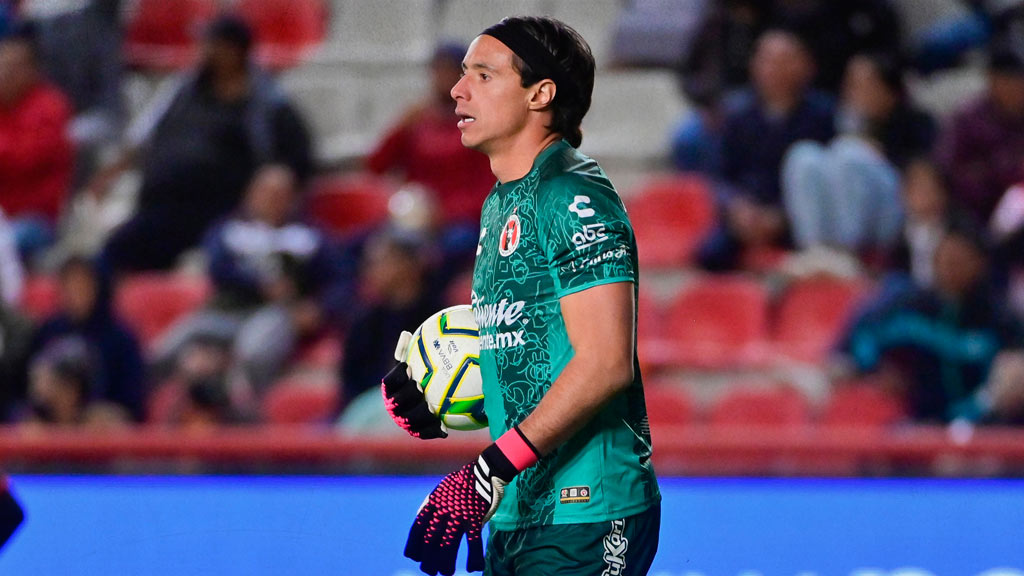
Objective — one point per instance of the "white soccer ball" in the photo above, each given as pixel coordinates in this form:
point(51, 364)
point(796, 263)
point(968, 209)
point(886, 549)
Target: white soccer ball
point(444, 358)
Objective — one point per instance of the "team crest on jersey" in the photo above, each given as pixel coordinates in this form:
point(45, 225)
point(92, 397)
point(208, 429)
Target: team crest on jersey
point(510, 234)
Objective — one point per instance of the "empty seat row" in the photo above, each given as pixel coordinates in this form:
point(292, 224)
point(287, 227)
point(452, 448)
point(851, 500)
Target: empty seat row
point(774, 405)
point(730, 322)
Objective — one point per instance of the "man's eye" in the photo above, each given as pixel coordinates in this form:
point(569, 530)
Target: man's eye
point(485, 77)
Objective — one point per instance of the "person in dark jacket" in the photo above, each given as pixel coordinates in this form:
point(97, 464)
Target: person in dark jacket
point(199, 144)
point(779, 110)
point(85, 312)
point(396, 297)
point(937, 346)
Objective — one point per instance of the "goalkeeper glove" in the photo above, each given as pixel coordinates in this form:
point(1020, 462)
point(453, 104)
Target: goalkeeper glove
point(463, 502)
point(404, 400)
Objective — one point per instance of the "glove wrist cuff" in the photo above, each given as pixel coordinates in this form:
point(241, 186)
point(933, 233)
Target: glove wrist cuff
point(516, 450)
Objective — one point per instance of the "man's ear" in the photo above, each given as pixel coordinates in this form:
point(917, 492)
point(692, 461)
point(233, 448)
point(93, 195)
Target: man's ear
point(543, 95)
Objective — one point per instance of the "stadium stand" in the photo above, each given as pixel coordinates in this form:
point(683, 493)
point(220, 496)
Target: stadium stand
point(812, 314)
point(717, 322)
point(349, 204)
point(671, 216)
point(770, 405)
point(285, 30)
point(861, 403)
point(296, 400)
point(151, 302)
point(161, 34)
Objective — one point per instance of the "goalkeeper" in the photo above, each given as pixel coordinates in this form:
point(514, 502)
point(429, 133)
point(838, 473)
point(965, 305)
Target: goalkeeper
point(567, 485)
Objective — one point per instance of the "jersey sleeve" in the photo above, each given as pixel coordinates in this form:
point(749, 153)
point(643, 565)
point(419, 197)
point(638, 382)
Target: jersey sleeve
point(586, 235)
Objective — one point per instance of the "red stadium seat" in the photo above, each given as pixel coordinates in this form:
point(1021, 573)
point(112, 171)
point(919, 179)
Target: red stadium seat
point(777, 406)
point(812, 314)
point(718, 322)
point(162, 34)
point(39, 296)
point(668, 403)
point(163, 401)
point(350, 204)
point(300, 401)
point(323, 352)
point(861, 404)
point(285, 30)
point(151, 302)
point(671, 215)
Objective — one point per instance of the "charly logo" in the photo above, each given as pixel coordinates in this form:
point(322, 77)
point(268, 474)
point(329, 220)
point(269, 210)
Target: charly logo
point(509, 240)
point(578, 206)
point(615, 544)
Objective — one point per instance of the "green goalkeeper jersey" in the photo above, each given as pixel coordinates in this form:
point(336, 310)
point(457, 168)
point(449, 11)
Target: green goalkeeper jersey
point(560, 229)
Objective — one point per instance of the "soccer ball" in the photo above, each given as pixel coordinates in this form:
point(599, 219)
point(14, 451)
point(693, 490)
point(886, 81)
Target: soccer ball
point(444, 358)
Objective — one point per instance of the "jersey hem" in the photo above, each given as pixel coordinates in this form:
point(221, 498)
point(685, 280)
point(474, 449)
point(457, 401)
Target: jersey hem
point(578, 518)
point(614, 280)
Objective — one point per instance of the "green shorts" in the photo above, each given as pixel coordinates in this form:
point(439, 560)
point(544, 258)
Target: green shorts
point(616, 548)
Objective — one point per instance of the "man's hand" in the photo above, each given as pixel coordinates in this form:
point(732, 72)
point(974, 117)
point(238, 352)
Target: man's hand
point(463, 502)
point(404, 400)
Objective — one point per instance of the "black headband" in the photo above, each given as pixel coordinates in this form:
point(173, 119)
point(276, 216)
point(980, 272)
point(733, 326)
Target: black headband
point(533, 53)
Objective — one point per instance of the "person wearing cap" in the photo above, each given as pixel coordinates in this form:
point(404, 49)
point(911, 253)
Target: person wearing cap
point(568, 485)
point(198, 145)
point(982, 145)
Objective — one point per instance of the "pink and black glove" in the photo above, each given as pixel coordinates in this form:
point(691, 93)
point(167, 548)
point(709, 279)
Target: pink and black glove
point(463, 502)
point(404, 400)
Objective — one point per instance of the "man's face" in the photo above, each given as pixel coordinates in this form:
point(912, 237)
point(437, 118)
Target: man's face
point(1007, 90)
point(958, 266)
point(780, 67)
point(270, 195)
point(490, 101)
point(17, 70)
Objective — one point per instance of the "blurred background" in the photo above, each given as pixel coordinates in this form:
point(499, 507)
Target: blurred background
point(216, 216)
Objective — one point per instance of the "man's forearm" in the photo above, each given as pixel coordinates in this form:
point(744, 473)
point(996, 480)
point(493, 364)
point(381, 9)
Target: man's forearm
point(575, 397)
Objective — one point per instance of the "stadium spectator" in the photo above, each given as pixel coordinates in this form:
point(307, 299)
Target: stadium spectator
point(199, 145)
point(928, 215)
point(835, 30)
point(79, 50)
point(272, 275)
point(395, 297)
point(84, 311)
point(35, 152)
point(936, 346)
point(983, 143)
point(426, 147)
point(778, 110)
point(61, 388)
point(715, 67)
point(846, 194)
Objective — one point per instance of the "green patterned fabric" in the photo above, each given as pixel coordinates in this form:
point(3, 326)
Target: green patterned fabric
point(560, 229)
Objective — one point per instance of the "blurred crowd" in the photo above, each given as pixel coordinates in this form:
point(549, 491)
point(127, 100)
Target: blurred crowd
point(801, 124)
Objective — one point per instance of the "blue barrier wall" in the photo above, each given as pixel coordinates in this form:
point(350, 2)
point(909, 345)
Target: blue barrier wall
point(222, 526)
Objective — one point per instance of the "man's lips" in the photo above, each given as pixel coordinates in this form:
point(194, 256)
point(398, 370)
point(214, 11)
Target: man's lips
point(464, 119)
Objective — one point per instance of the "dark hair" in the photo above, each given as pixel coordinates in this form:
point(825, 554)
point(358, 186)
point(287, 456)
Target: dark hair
point(573, 54)
point(232, 29)
point(24, 32)
point(889, 69)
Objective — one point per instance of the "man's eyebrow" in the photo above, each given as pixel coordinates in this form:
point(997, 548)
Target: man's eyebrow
point(478, 66)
